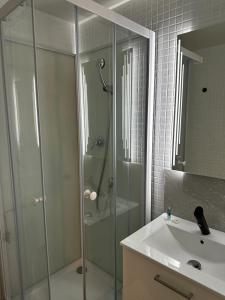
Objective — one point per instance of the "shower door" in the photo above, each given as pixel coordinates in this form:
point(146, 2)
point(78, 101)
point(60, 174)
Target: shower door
point(113, 75)
point(96, 78)
point(22, 188)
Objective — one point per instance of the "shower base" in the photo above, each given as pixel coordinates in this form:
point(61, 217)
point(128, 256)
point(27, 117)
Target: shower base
point(66, 284)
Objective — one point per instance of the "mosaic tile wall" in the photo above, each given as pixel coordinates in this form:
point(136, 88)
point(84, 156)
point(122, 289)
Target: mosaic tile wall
point(168, 18)
point(183, 192)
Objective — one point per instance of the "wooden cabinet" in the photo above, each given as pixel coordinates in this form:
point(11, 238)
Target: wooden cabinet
point(144, 279)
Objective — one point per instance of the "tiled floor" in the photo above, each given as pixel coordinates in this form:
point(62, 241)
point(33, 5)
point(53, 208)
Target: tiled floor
point(67, 285)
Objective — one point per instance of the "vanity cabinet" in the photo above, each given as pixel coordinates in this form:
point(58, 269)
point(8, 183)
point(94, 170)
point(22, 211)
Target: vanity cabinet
point(145, 279)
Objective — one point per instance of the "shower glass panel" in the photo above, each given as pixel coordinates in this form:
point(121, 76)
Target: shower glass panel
point(96, 68)
point(26, 200)
point(59, 136)
point(59, 244)
point(131, 108)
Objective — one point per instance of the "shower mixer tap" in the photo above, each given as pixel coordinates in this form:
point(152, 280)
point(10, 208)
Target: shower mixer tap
point(99, 141)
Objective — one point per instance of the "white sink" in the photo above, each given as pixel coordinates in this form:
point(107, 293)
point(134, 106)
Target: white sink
point(174, 243)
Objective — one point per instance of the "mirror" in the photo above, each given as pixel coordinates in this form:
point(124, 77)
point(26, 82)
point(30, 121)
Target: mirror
point(199, 117)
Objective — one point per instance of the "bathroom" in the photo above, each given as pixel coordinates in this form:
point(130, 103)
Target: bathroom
point(111, 116)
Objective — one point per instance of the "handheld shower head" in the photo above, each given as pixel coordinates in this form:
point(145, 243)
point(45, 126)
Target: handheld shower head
point(100, 64)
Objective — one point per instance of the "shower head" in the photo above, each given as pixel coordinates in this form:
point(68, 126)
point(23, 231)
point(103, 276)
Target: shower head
point(100, 64)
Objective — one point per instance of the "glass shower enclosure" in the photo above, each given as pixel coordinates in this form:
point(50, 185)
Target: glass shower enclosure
point(76, 111)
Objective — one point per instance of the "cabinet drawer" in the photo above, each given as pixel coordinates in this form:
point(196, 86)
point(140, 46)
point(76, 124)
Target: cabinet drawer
point(144, 279)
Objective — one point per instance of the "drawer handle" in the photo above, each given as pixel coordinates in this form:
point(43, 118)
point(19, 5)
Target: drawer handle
point(186, 295)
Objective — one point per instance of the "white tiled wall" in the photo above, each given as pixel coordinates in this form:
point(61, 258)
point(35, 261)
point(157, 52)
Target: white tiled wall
point(168, 18)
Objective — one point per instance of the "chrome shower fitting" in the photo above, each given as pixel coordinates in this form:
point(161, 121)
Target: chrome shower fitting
point(99, 142)
point(100, 65)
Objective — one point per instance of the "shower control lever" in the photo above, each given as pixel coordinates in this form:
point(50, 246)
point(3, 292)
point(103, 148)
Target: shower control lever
point(90, 195)
point(99, 142)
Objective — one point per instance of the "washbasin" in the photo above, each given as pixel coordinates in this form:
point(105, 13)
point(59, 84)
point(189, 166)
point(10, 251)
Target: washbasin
point(185, 246)
point(179, 245)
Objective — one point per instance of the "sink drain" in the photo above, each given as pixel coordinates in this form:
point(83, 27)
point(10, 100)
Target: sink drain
point(195, 264)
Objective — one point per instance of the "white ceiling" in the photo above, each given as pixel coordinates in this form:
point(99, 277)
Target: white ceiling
point(58, 8)
point(204, 38)
point(64, 10)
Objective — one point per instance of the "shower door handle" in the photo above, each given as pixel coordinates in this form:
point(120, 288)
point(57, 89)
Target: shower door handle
point(38, 200)
point(90, 195)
